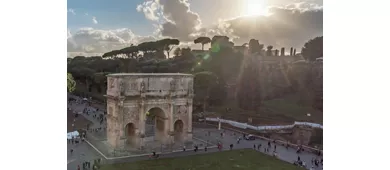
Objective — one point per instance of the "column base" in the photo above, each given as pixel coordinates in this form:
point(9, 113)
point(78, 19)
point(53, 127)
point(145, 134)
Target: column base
point(188, 137)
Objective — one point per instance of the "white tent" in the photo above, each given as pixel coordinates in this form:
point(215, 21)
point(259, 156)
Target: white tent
point(74, 134)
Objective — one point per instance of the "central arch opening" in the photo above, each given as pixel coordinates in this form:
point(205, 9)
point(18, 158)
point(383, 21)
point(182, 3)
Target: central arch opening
point(155, 124)
point(130, 134)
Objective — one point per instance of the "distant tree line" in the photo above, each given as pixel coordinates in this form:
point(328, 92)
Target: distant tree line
point(212, 69)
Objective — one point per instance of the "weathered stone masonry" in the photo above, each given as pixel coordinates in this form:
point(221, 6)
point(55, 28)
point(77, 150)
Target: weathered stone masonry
point(130, 96)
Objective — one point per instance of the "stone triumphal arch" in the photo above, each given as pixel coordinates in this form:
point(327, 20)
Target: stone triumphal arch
point(136, 99)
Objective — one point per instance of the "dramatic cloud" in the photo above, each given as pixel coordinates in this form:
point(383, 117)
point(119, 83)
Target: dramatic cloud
point(94, 20)
point(93, 41)
point(150, 9)
point(178, 21)
point(181, 22)
point(284, 28)
point(70, 10)
point(304, 5)
point(287, 26)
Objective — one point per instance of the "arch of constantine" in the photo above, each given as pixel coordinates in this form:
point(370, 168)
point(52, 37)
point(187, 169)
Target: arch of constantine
point(135, 100)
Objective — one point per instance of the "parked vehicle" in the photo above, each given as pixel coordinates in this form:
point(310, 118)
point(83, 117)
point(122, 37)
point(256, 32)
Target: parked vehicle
point(250, 137)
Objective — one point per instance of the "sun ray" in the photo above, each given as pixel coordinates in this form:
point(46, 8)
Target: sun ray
point(255, 7)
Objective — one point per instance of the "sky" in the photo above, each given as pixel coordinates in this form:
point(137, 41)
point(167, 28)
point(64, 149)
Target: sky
point(99, 26)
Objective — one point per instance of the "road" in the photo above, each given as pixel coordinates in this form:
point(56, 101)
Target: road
point(84, 152)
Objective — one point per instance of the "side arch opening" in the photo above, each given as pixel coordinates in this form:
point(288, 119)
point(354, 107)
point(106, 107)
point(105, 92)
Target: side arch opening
point(178, 129)
point(130, 133)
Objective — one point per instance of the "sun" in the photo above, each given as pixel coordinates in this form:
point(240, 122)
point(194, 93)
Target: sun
point(255, 7)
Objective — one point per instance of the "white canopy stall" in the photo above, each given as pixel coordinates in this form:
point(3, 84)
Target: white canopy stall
point(74, 134)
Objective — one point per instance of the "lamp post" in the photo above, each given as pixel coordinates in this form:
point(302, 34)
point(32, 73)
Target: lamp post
point(219, 124)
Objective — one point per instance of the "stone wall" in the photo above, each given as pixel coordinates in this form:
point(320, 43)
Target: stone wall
point(301, 135)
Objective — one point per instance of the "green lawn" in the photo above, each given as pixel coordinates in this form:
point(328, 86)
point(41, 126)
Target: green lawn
point(283, 110)
point(246, 159)
point(289, 107)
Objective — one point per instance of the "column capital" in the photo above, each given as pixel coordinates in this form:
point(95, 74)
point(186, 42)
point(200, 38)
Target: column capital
point(171, 133)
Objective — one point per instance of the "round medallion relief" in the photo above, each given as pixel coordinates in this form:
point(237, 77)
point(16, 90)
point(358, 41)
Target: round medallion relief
point(182, 109)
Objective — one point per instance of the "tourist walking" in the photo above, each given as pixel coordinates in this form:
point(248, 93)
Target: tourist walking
point(219, 146)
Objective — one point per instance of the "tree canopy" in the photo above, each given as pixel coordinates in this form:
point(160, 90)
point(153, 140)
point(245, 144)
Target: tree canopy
point(313, 49)
point(255, 46)
point(71, 83)
point(203, 41)
point(213, 69)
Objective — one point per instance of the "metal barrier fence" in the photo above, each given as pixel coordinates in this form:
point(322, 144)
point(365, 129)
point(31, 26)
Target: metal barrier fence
point(307, 148)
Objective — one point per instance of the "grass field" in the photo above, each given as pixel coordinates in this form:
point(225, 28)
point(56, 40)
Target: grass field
point(290, 107)
point(278, 111)
point(246, 159)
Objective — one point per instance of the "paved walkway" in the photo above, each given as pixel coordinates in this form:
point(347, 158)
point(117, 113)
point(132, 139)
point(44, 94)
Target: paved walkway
point(85, 152)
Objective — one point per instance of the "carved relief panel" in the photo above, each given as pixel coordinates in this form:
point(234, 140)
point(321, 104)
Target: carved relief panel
point(190, 87)
point(182, 110)
point(132, 86)
point(111, 82)
point(122, 87)
point(179, 111)
point(181, 84)
point(143, 87)
point(154, 84)
point(112, 86)
point(173, 84)
point(131, 114)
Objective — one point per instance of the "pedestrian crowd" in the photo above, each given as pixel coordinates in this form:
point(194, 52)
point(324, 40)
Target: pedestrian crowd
point(88, 110)
point(87, 165)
